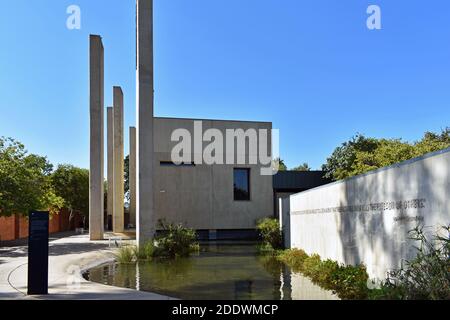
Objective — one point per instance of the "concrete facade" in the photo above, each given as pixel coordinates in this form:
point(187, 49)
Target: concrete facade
point(110, 160)
point(132, 177)
point(145, 224)
point(96, 99)
point(118, 160)
point(367, 218)
point(201, 196)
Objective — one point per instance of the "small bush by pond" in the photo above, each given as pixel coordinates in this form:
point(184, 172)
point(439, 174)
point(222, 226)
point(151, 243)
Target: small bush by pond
point(125, 255)
point(270, 232)
point(144, 252)
point(174, 241)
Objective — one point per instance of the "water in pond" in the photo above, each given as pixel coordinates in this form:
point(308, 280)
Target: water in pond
point(220, 271)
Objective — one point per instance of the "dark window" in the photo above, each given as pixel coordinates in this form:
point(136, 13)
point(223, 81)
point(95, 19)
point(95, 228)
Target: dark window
point(241, 184)
point(172, 164)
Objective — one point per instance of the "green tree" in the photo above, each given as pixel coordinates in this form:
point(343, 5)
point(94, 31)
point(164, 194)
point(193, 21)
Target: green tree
point(72, 184)
point(340, 164)
point(433, 142)
point(302, 167)
point(361, 154)
point(281, 165)
point(386, 153)
point(25, 181)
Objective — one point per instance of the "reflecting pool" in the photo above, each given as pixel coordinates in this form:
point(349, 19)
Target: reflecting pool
point(219, 271)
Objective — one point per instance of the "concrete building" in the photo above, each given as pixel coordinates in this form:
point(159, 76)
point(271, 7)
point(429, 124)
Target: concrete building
point(202, 196)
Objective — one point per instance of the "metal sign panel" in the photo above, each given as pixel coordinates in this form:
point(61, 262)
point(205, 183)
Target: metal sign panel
point(38, 253)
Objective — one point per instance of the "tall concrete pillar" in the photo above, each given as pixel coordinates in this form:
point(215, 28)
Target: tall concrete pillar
point(96, 98)
point(110, 156)
point(118, 218)
point(145, 226)
point(132, 175)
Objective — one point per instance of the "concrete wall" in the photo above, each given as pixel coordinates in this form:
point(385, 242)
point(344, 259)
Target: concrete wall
point(367, 218)
point(279, 196)
point(202, 196)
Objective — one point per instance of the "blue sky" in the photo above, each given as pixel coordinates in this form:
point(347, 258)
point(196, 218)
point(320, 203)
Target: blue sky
point(311, 67)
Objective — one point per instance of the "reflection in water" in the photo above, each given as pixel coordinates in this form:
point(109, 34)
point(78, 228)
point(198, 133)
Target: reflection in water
point(223, 272)
point(303, 289)
point(138, 277)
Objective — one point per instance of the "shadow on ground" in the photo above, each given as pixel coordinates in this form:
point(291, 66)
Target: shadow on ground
point(19, 248)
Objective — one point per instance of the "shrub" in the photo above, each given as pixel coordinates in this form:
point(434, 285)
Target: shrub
point(144, 252)
point(350, 282)
point(270, 232)
point(311, 266)
point(294, 258)
point(425, 277)
point(125, 255)
point(175, 241)
point(325, 273)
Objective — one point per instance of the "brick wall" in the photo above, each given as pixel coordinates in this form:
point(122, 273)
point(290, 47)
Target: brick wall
point(53, 224)
point(16, 227)
point(7, 228)
point(23, 227)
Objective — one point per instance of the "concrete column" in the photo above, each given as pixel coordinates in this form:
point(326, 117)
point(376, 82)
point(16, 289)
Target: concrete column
point(96, 98)
point(118, 218)
point(132, 175)
point(110, 153)
point(145, 226)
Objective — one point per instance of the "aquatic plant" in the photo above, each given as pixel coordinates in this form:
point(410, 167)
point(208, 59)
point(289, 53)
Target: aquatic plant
point(270, 232)
point(144, 252)
point(175, 240)
point(125, 255)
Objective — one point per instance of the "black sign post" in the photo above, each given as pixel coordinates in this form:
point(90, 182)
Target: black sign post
point(38, 253)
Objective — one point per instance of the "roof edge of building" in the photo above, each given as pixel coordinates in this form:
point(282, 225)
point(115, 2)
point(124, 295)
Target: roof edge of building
point(217, 120)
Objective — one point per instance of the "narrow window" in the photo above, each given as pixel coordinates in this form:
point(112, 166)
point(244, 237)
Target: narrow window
point(172, 164)
point(242, 184)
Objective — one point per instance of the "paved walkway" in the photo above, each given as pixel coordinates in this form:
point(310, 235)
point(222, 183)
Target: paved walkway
point(69, 257)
